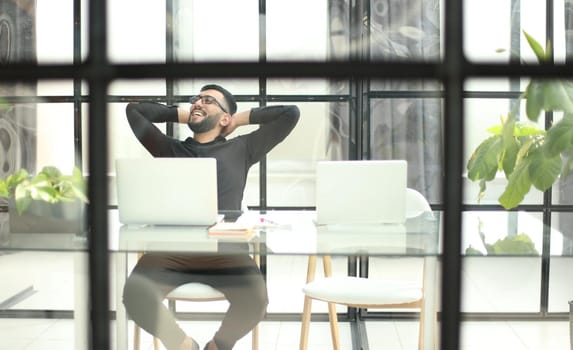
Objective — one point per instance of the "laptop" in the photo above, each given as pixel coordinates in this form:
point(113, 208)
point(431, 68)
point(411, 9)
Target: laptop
point(361, 192)
point(167, 191)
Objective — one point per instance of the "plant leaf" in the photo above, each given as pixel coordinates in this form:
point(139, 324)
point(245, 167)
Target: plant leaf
point(508, 131)
point(483, 163)
point(51, 172)
point(534, 102)
point(559, 137)
point(510, 157)
point(44, 193)
point(558, 95)
point(527, 129)
point(16, 178)
point(517, 187)
point(543, 170)
point(22, 197)
point(536, 47)
point(3, 189)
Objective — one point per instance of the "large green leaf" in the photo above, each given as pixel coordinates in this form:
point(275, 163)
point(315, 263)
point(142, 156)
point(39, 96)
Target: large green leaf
point(548, 95)
point(16, 178)
point(483, 163)
point(543, 170)
point(517, 187)
point(520, 129)
point(559, 137)
point(22, 197)
point(534, 103)
point(558, 96)
point(45, 193)
point(51, 172)
point(510, 157)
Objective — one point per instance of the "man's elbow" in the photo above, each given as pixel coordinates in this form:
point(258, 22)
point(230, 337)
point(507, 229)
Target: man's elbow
point(130, 108)
point(294, 113)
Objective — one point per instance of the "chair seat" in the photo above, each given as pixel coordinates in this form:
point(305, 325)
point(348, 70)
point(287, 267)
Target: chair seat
point(195, 291)
point(363, 291)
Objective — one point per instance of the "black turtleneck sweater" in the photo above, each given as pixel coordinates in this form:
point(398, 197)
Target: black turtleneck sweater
point(234, 156)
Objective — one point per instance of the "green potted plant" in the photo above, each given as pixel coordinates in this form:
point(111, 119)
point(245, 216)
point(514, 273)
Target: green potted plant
point(527, 155)
point(48, 201)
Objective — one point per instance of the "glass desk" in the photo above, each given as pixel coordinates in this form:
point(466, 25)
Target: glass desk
point(277, 233)
point(290, 233)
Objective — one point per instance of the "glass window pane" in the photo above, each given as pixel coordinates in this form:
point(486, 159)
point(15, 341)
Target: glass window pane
point(296, 34)
point(501, 284)
point(502, 233)
point(55, 132)
point(54, 22)
point(560, 288)
point(294, 86)
point(216, 30)
point(18, 24)
point(405, 30)
point(503, 35)
point(35, 135)
point(191, 87)
point(153, 87)
point(291, 165)
point(502, 263)
point(480, 116)
point(136, 31)
point(412, 129)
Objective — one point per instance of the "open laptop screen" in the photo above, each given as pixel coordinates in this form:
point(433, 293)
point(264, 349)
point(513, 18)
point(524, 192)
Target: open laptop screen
point(366, 192)
point(167, 191)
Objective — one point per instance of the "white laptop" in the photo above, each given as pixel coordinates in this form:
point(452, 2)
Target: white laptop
point(167, 191)
point(361, 192)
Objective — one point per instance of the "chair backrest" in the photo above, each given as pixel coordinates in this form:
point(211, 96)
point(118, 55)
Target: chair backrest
point(416, 204)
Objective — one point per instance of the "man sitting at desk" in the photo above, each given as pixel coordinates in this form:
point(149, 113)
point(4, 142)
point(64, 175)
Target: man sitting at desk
point(212, 116)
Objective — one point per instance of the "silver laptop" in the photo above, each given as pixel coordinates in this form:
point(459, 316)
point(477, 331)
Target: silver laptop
point(361, 192)
point(167, 191)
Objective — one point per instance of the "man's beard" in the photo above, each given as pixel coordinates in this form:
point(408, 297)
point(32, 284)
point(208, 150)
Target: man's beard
point(207, 124)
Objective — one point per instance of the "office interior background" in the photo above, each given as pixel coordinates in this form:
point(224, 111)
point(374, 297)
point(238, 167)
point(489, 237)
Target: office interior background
point(397, 102)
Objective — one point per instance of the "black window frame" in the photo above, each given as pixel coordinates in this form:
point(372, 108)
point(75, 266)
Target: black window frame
point(452, 71)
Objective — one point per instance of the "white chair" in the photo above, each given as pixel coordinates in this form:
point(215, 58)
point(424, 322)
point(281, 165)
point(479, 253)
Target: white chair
point(195, 292)
point(362, 292)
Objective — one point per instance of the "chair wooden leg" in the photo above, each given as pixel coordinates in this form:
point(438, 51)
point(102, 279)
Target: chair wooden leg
point(136, 336)
point(421, 329)
point(306, 313)
point(333, 318)
point(156, 343)
point(307, 308)
point(255, 336)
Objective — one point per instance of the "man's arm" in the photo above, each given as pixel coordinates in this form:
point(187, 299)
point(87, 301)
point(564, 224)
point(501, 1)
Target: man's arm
point(141, 117)
point(276, 123)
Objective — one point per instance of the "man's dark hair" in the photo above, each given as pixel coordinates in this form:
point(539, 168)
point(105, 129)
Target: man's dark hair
point(229, 98)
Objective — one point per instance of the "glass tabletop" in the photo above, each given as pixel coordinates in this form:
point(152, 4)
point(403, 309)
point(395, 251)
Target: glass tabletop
point(274, 232)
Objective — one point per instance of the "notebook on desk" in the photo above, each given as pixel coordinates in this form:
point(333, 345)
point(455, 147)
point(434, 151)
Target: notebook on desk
point(167, 191)
point(361, 192)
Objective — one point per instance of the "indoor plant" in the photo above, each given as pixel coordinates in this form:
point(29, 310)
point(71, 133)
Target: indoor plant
point(48, 201)
point(526, 154)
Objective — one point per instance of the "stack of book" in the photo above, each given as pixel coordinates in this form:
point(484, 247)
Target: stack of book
point(232, 230)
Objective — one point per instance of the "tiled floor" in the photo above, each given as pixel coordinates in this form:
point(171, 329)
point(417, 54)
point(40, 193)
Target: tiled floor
point(33, 334)
point(52, 276)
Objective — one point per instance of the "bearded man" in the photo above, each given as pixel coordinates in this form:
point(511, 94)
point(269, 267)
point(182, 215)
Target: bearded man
point(212, 117)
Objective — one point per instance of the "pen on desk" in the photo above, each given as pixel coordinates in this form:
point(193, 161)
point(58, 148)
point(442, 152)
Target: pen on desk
point(267, 221)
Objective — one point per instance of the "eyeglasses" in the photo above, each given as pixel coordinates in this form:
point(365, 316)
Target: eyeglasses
point(207, 100)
